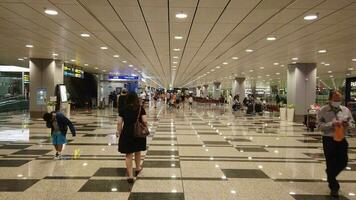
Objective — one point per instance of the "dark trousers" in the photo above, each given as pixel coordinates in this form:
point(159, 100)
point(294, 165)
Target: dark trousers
point(336, 159)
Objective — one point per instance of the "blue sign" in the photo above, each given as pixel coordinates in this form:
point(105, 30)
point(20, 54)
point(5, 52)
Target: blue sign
point(123, 78)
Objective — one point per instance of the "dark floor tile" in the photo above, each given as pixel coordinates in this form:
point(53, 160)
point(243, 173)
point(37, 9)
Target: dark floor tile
point(154, 196)
point(239, 140)
point(111, 172)
point(95, 135)
point(161, 164)
point(316, 197)
point(315, 155)
point(106, 186)
point(85, 129)
point(244, 173)
point(352, 166)
point(310, 141)
point(207, 133)
point(16, 185)
point(39, 137)
point(15, 146)
point(251, 149)
point(216, 143)
point(32, 152)
point(161, 153)
point(13, 163)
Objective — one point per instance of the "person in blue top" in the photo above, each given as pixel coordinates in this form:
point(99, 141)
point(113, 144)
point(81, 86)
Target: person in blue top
point(59, 126)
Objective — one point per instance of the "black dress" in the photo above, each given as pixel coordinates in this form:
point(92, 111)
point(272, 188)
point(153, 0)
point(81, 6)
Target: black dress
point(122, 103)
point(127, 142)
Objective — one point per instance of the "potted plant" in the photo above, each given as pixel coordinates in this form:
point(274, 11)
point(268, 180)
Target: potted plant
point(283, 112)
point(50, 106)
point(290, 113)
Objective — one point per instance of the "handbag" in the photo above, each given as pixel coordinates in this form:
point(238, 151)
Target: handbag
point(140, 129)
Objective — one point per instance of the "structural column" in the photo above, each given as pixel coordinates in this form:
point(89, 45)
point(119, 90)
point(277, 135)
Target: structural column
point(197, 89)
point(301, 87)
point(45, 74)
point(216, 90)
point(238, 87)
point(205, 91)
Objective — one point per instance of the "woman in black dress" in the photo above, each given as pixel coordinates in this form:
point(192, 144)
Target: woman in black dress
point(128, 144)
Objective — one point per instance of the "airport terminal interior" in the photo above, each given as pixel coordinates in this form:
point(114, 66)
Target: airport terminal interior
point(243, 99)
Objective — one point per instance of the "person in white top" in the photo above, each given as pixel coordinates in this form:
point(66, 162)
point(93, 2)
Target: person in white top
point(190, 102)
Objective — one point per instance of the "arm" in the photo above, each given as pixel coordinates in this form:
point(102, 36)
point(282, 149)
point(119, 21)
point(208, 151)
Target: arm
point(120, 123)
point(70, 125)
point(322, 124)
point(144, 119)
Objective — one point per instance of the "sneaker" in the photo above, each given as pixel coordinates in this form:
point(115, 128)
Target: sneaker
point(56, 156)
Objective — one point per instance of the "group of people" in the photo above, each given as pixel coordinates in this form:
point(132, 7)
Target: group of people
point(252, 104)
point(334, 120)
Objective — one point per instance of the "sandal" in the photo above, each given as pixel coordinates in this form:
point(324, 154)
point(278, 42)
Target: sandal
point(137, 172)
point(130, 180)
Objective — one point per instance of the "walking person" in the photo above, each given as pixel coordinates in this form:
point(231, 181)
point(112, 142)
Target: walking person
point(334, 120)
point(59, 126)
point(122, 100)
point(190, 102)
point(128, 143)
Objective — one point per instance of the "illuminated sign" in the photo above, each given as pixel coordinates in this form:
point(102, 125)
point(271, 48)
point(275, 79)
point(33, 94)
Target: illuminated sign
point(26, 78)
point(73, 71)
point(123, 78)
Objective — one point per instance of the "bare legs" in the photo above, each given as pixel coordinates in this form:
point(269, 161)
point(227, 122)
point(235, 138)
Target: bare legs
point(58, 147)
point(129, 163)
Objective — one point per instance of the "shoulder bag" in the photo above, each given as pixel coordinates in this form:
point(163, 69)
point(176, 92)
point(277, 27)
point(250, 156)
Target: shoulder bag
point(140, 129)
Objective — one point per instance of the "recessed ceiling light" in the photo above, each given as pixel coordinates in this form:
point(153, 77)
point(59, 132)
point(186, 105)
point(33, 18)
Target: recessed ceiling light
point(174, 66)
point(72, 60)
point(225, 63)
point(249, 50)
point(322, 51)
point(295, 58)
point(267, 75)
point(51, 12)
point(258, 76)
point(350, 68)
point(29, 46)
point(124, 61)
point(178, 37)
point(251, 70)
point(130, 65)
point(235, 58)
point(85, 35)
point(54, 54)
point(86, 65)
point(207, 72)
point(294, 62)
point(261, 67)
point(176, 49)
point(116, 56)
point(181, 15)
point(176, 57)
point(311, 17)
point(276, 63)
point(25, 58)
point(217, 67)
point(175, 62)
point(20, 59)
point(323, 63)
point(103, 48)
point(104, 70)
point(174, 69)
point(327, 64)
point(271, 38)
point(331, 76)
point(348, 74)
point(282, 65)
point(96, 68)
point(278, 73)
point(354, 59)
point(330, 72)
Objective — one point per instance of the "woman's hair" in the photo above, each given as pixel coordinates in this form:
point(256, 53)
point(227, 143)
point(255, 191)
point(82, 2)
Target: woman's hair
point(132, 101)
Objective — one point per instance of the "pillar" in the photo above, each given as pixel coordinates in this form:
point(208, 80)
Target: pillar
point(45, 74)
point(205, 91)
point(301, 87)
point(238, 87)
point(216, 90)
point(198, 93)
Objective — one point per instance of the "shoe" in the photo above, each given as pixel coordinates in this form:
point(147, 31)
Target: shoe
point(130, 180)
point(334, 193)
point(56, 156)
point(138, 172)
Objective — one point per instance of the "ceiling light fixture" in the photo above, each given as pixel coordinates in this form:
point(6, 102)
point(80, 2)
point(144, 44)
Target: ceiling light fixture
point(176, 57)
point(235, 58)
point(116, 56)
point(295, 58)
point(225, 63)
point(351, 68)
point(72, 60)
point(271, 38)
point(175, 62)
point(278, 73)
point(124, 61)
point(103, 48)
point(276, 63)
point(327, 64)
point(311, 17)
point(20, 59)
point(217, 67)
point(176, 49)
point(322, 51)
point(86, 35)
point(181, 15)
point(54, 54)
point(249, 50)
point(330, 72)
point(354, 59)
point(178, 37)
point(29, 46)
point(86, 65)
point(51, 12)
point(96, 68)
point(261, 67)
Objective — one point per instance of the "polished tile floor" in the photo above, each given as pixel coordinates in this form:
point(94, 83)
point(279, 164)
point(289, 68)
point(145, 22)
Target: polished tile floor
point(206, 153)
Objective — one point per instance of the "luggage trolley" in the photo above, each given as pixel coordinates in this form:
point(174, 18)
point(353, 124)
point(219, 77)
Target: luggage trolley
point(311, 118)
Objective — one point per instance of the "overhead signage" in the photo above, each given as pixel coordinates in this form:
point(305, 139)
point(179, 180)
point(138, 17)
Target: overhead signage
point(72, 71)
point(123, 78)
